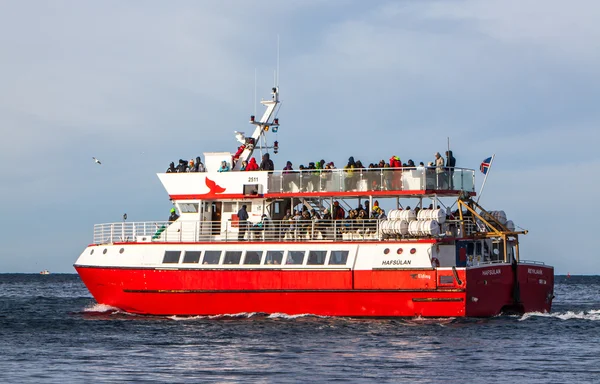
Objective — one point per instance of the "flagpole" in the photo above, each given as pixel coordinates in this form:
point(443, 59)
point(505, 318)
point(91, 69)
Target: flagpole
point(485, 178)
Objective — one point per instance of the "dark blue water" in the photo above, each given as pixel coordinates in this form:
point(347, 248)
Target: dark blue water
point(51, 330)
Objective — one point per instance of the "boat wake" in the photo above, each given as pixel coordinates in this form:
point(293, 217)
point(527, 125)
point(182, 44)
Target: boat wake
point(593, 315)
point(247, 315)
point(101, 310)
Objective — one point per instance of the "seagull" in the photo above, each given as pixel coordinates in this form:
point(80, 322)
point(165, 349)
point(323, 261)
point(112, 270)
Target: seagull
point(240, 137)
point(96, 160)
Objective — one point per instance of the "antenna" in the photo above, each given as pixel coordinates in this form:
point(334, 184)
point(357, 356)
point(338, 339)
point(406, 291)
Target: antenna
point(254, 91)
point(277, 77)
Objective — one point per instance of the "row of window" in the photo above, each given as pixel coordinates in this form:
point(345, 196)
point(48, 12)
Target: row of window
point(257, 257)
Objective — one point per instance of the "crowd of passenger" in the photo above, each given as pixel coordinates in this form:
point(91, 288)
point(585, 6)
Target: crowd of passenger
point(185, 166)
point(439, 164)
point(328, 223)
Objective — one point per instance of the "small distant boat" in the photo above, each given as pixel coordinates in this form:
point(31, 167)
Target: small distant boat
point(45, 272)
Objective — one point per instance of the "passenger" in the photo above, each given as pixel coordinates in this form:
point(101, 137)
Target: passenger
point(224, 167)
point(337, 212)
point(285, 225)
point(242, 222)
point(350, 180)
point(252, 165)
point(288, 167)
point(325, 224)
point(259, 227)
point(244, 165)
point(191, 166)
point(410, 164)
point(182, 167)
point(321, 177)
point(174, 216)
point(396, 171)
point(439, 171)
point(171, 168)
point(305, 224)
point(199, 166)
point(450, 163)
point(421, 166)
point(313, 176)
point(267, 163)
point(430, 176)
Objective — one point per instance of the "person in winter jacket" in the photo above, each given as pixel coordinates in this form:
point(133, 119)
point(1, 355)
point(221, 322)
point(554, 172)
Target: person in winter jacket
point(450, 164)
point(171, 168)
point(182, 167)
point(199, 166)
point(267, 163)
point(252, 165)
point(224, 167)
point(350, 179)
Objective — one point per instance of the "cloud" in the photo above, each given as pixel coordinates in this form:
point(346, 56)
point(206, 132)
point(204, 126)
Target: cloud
point(518, 79)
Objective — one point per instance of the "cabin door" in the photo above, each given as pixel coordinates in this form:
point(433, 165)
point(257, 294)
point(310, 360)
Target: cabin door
point(216, 217)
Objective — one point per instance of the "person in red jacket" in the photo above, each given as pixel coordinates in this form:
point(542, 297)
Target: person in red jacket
point(396, 173)
point(252, 166)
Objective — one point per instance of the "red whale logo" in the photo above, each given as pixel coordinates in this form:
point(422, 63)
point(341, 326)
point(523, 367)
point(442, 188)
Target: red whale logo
point(213, 187)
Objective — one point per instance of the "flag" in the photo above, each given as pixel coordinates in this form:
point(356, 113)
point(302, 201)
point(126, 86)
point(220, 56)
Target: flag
point(485, 165)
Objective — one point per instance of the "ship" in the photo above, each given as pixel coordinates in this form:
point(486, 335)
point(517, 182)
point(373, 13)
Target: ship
point(446, 256)
point(45, 272)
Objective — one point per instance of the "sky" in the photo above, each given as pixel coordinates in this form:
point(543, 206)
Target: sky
point(141, 84)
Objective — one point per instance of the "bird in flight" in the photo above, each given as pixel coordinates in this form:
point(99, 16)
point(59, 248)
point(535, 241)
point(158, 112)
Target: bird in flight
point(96, 160)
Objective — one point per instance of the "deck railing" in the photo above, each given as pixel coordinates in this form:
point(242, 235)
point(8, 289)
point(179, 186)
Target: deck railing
point(373, 179)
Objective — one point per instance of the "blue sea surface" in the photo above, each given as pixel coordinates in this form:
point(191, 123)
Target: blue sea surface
point(52, 331)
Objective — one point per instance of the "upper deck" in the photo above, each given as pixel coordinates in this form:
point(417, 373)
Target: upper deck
point(322, 183)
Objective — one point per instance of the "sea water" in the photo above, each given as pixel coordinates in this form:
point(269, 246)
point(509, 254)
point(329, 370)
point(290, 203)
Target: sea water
point(52, 331)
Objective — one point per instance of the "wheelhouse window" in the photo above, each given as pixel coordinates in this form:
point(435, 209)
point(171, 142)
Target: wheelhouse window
point(188, 207)
point(274, 257)
point(191, 257)
point(211, 257)
point(295, 258)
point(232, 257)
point(253, 257)
point(338, 258)
point(316, 257)
point(171, 257)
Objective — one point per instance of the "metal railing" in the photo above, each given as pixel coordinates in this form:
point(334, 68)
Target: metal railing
point(267, 231)
point(372, 179)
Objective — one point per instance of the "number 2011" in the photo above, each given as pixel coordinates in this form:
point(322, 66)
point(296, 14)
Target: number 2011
point(252, 179)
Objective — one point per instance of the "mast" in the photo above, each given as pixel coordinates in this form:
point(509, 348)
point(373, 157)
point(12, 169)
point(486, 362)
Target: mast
point(262, 126)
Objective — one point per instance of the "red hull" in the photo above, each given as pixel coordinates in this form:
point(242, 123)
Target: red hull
point(405, 293)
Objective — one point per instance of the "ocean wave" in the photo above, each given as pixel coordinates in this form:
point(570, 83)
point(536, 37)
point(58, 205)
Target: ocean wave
point(593, 315)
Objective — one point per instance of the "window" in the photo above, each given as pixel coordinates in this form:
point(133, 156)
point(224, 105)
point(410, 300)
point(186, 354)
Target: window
point(228, 207)
point(171, 257)
point(295, 258)
point(338, 258)
point(191, 257)
point(250, 189)
point(248, 205)
point(188, 207)
point(274, 257)
point(253, 257)
point(316, 257)
point(232, 257)
point(211, 257)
